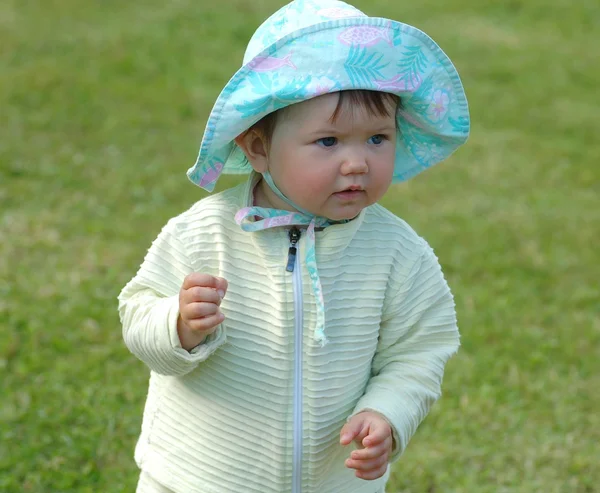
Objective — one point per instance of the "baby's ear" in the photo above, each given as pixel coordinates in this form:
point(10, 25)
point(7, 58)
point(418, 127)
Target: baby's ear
point(253, 145)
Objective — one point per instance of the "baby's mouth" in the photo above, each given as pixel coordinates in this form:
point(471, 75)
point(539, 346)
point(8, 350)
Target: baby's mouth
point(353, 188)
point(349, 193)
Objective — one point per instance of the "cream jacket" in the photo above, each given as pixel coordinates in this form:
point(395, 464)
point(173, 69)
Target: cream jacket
point(259, 406)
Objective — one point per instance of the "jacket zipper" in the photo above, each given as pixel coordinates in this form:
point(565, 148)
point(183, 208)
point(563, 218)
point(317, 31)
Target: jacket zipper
point(293, 266)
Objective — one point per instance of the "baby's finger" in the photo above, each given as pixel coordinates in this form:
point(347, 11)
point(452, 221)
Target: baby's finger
point(202, 280)
point(353, 429)
point(367, 465)
point(207, 324)
point(374, 474)
point(198, 294)
point(221, 286)
point(195, 311)
point(372, 452)
point(361, 436)
point(377, 434)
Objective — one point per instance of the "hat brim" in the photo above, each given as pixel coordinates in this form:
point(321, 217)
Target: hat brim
point(362, 53)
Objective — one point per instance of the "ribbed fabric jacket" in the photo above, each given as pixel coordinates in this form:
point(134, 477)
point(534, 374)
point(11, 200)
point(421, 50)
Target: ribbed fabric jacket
point(221, 419)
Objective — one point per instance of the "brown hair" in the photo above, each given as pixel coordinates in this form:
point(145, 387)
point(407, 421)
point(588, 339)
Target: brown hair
point(375, 103)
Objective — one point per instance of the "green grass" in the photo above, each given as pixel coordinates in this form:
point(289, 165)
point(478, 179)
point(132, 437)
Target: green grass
point(103, 105)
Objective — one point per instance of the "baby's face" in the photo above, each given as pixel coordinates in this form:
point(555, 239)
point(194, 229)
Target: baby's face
point(331, 169)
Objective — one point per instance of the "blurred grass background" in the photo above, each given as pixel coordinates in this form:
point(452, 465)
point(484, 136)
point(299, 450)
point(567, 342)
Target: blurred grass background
point(103, 106)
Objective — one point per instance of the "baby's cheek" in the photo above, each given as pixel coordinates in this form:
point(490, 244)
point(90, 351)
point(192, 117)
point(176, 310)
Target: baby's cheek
point(313, 185)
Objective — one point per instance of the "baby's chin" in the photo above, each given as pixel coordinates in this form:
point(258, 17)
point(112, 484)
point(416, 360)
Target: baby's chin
point(344, 217)
point(337, 214)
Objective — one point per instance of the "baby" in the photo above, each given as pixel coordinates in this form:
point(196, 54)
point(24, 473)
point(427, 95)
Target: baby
point(296, 331)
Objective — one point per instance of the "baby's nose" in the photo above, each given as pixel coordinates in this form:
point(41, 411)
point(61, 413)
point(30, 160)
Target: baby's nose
point(355, 163)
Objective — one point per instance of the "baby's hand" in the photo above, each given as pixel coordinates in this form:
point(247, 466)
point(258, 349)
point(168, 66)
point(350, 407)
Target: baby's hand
point(199, 314)
point(371, 431)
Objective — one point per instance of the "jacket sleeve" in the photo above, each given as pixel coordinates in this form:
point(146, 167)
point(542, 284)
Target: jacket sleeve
point(149, 309)
point(418, 335)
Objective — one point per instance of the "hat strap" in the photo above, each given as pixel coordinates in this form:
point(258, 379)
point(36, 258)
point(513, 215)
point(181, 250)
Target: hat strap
point(272, 218)
point(269, 180)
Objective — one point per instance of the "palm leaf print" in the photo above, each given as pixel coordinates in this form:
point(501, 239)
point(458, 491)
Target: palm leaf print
point(413, 64)
point(293, 92)
point(270, 96)
point(421, 98)
point(362, 69)
point(261, 83)
point(252, 108)
point(461, 124)
point(397, 39)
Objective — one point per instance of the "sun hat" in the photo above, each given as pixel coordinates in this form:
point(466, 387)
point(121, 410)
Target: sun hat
point(313, 47)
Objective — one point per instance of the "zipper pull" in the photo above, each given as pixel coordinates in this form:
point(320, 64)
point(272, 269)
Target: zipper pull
point(294, 238)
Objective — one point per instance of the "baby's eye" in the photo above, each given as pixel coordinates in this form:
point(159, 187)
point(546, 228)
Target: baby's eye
point(377, 139)
point(327, 141)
